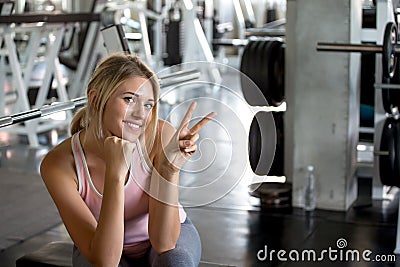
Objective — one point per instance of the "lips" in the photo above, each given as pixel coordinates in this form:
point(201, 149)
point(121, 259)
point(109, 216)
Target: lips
point(133, 125)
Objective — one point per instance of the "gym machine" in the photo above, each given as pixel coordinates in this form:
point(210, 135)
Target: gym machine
point(386, 161)
point(45, 26)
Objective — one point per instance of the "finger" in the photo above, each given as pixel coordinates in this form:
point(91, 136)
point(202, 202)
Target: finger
point(194, 138)
point(188, 116)
point(190, 149)
point(198, 126)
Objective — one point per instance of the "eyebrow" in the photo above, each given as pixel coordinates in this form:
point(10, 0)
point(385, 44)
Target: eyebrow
point(137, 95)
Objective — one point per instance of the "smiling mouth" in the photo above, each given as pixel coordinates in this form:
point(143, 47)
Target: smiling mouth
point(132, 125)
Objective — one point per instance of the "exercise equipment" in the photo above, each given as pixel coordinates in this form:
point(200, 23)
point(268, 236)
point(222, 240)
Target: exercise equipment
point(173, 31)
point(56, 253)
point(273, 195)
point(263, 62)
point(389, 49)
point(6, 8)
point(22, 65)
point(389, 154)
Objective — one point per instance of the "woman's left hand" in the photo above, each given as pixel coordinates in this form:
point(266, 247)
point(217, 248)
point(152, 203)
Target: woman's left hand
point(182, 145)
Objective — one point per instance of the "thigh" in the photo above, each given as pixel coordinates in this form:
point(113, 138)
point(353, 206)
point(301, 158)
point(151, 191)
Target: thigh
point(78, 260)
point(187, 251)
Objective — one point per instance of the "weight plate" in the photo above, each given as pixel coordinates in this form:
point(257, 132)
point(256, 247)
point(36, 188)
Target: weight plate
point(262, 146)
point(246, 66)
point(253, 69)
point(396, 175)
point(387, 162)
point(244, 63)
point(266, 89)
point(272, 195)
point(391, 98)
point(257, 68)
point(277, 167)
point(254, 144)
point(388, 51)
point(276, 73)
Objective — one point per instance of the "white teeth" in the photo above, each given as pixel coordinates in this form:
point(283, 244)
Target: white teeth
point(133, 125)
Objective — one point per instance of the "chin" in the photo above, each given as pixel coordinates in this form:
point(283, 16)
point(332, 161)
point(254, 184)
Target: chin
point(130, 137)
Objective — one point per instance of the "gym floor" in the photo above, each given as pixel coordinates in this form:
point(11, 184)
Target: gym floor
point(234, 228)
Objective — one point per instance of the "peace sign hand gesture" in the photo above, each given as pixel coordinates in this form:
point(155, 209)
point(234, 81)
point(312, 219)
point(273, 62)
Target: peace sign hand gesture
point(182, 146)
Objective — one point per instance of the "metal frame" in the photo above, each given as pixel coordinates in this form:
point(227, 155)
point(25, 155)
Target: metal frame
point(21, 71)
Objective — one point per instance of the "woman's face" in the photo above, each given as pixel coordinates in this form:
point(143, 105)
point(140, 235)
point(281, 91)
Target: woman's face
point(129, 109)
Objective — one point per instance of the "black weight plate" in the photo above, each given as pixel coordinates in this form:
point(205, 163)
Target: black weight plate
point(273, 195)
point(388, 53)
point(277, 167)
point(396, 176)
point(275, 73)
point(266, 81)
point(256, 72)
point(279, 74)
point(387, 162)
point(250, 73)
point(391, 98)
point(247, 61)
point(262, 143)
point(263, 62)
point(254, 144)
point(244, 63)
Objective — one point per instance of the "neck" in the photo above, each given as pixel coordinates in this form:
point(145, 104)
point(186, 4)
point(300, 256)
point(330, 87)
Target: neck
point(91, 143)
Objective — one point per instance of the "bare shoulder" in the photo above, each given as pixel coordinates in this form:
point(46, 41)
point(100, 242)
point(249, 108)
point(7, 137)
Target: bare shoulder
point(59, 162)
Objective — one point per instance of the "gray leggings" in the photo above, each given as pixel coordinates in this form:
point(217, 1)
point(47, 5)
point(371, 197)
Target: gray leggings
point(186, 253)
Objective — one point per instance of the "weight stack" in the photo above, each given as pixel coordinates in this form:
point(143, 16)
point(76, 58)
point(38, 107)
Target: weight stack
point(173, 36)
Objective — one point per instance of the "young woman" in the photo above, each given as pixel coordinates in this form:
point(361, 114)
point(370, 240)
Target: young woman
point(115, 181)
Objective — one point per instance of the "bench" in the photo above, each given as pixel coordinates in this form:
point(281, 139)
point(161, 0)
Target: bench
point(54, 254)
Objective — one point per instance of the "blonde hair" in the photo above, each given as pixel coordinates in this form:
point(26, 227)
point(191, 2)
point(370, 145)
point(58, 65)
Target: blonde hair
point(108, 75)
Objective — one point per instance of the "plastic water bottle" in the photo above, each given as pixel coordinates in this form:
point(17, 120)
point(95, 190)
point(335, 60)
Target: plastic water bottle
point(310, 201)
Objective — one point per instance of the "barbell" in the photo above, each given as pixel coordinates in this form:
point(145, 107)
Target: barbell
point(389, 49)
point(165, 81)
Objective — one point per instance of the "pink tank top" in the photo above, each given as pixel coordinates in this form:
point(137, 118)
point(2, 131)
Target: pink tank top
point(136, 212)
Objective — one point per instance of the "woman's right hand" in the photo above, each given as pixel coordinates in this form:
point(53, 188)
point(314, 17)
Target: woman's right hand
point(118, 156)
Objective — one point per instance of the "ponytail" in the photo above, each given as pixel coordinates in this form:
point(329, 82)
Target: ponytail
point(79, 121)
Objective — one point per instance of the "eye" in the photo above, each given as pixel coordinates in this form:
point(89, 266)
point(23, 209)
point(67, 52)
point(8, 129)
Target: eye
point(149, 106)
point(129, 99)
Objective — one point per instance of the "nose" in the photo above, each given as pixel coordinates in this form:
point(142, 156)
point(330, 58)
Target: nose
point(138, 111)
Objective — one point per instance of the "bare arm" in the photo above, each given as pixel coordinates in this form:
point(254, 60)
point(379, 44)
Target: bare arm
point(177, 146)
point(100, 243)
point(164, 222)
